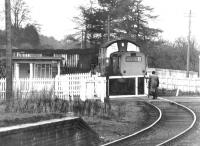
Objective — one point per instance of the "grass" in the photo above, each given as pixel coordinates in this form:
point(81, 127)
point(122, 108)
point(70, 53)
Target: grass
point(167, 92)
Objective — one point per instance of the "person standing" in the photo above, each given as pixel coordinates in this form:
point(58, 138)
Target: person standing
point(153, 85)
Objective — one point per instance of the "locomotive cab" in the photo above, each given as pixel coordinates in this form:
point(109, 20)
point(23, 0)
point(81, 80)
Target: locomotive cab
point(123, 65)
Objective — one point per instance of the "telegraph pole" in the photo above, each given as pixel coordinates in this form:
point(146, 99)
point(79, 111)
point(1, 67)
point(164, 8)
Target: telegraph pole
point(81, 39)
point(8, 54)
point(188, 51)
point(108, 27)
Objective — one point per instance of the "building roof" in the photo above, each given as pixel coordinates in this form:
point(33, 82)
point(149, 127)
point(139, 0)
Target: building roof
point(55, 51)
point(43, 58)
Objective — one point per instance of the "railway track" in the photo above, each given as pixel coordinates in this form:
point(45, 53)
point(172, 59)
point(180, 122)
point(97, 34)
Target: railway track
point(175, 120)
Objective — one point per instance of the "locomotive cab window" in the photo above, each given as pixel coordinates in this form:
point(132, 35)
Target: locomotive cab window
point(133, 58)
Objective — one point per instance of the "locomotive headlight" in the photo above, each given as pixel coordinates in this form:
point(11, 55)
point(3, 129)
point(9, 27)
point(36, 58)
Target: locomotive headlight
point(107, 61)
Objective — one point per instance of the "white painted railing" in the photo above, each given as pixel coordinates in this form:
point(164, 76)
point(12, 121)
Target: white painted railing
point(2, 88)
point(176, 79)
point(69, 86)
point(184, 84)
point(87, 86)
point(172, 73)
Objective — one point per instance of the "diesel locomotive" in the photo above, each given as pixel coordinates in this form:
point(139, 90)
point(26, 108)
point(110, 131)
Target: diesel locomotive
point(124, 66)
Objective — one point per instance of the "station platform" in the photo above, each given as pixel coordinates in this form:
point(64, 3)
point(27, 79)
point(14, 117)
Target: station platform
point(183, 98)
point(173, 98)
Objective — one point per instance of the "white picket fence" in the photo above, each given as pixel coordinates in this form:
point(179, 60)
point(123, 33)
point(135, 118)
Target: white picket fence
point(87, 86)
point(184, 84)
point(70, 86)
point(176, 79)
point(172, 73)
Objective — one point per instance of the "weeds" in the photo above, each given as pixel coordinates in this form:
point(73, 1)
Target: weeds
point(47, 102)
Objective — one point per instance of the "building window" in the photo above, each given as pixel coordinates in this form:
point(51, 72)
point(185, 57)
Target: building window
point(43, 71)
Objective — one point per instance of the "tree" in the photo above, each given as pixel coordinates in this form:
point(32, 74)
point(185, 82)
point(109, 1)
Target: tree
point(128, 18)
point(49, 42)
point(30, 35)
point(96, 20)
point(20, 13)
point(182, 45)
point(163, 54)
point(90, 25)
point(70, 38)
point(27, 36)
point(70, 42)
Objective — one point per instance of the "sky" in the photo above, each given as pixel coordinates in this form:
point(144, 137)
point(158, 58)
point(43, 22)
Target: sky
point(55, 17)
point(173, 18)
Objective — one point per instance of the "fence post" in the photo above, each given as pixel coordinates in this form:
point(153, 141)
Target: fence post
point(136, 85)
point(83, 89)
point(55, 87)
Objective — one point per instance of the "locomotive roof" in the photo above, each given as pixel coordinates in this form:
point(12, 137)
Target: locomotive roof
point(107, 44)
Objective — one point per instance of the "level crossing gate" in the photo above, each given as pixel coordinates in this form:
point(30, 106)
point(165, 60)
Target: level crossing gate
point(127, 86)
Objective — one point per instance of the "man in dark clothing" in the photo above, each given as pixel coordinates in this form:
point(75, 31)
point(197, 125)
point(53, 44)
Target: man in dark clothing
point(153, 85)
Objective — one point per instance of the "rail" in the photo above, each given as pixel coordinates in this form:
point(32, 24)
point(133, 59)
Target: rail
point(180, 134)
point(142, 130)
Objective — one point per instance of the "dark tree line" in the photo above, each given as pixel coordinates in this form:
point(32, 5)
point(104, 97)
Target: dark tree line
point(27, 37)
point(163, 54)
point(24, 33)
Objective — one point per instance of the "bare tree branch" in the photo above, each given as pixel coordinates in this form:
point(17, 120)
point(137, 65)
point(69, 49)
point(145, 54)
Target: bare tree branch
point(19, 12)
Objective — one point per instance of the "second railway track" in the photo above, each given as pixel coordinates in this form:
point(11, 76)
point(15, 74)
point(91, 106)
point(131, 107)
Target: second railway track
point(176, 119)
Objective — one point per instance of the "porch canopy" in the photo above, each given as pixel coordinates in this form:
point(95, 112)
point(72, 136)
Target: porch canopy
point(36, 66)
